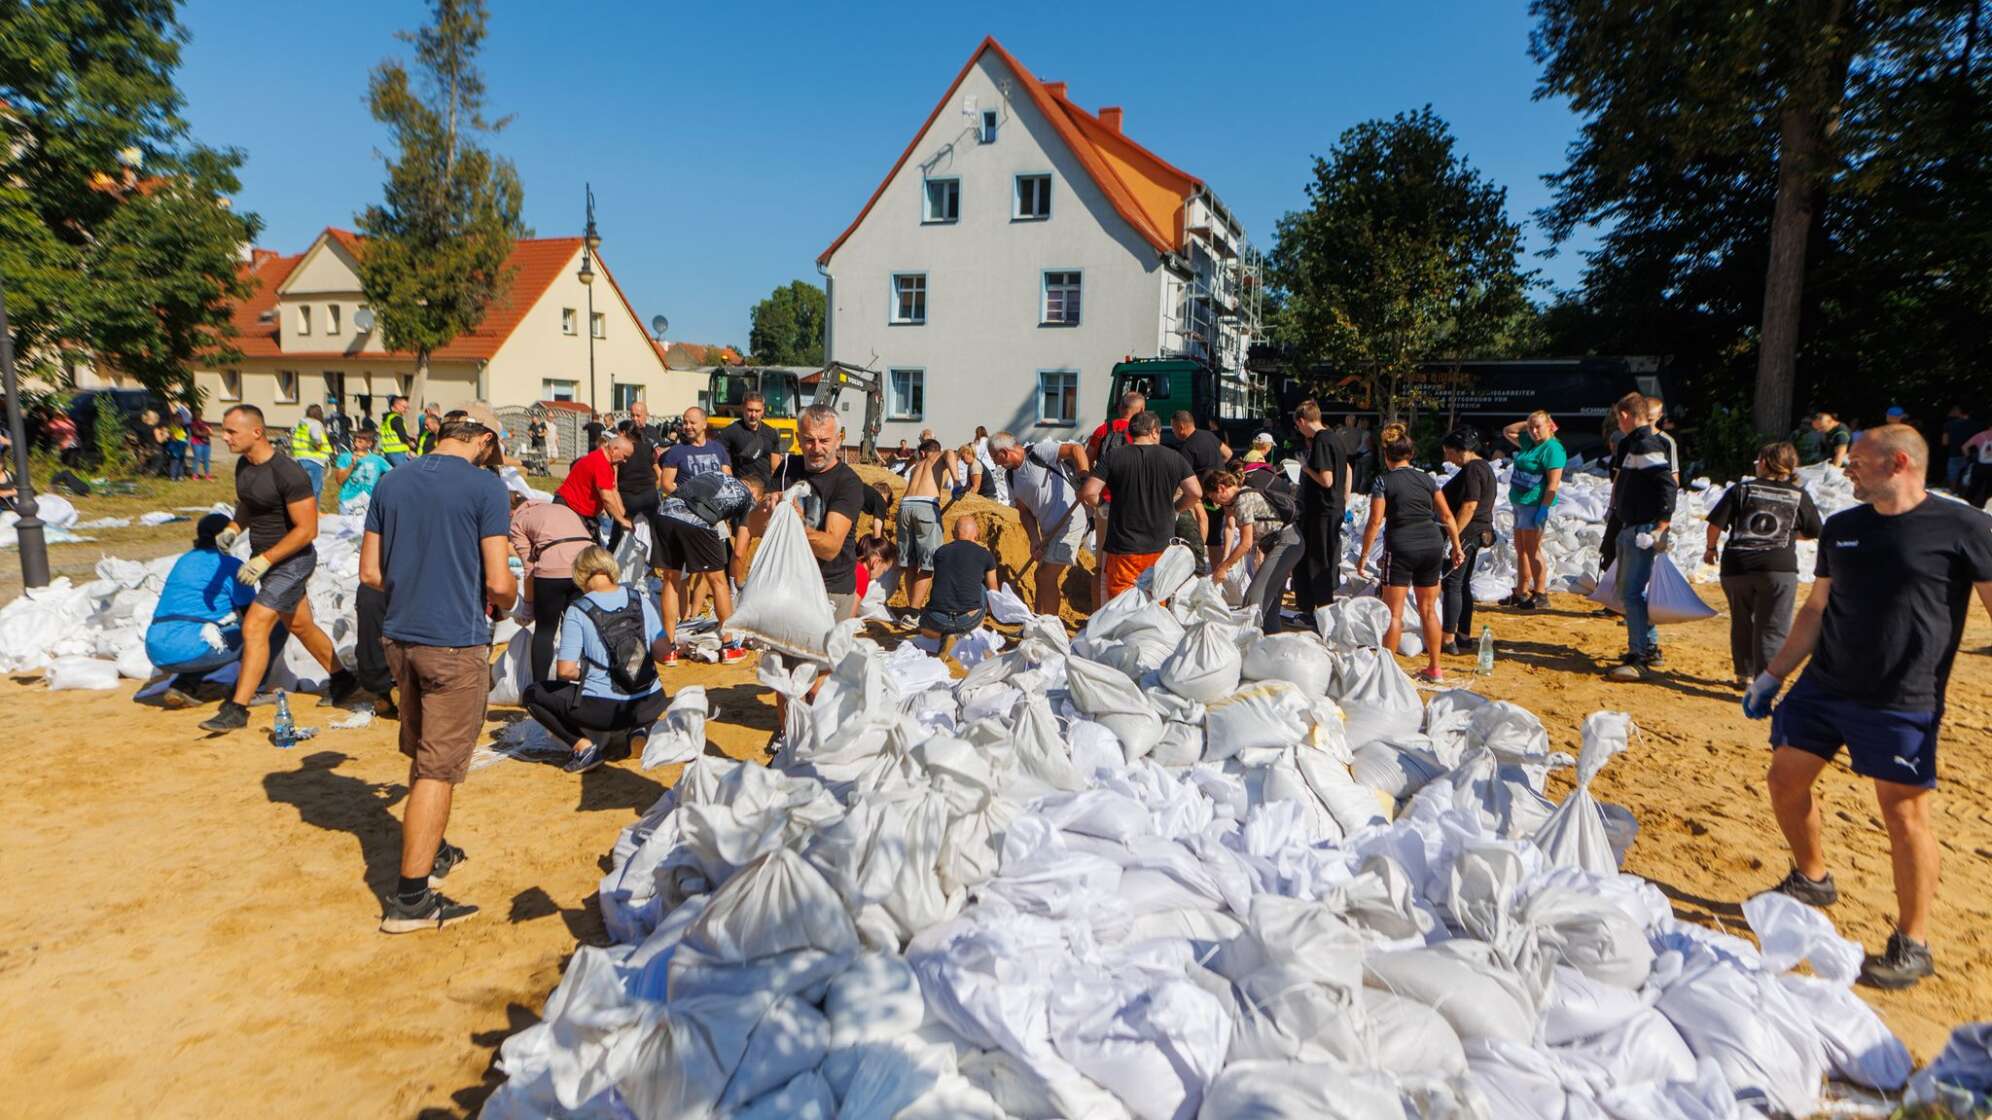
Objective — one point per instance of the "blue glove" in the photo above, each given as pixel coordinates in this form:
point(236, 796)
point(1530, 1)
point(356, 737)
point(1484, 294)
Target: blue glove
point(1348, 517)
point(1761, 694)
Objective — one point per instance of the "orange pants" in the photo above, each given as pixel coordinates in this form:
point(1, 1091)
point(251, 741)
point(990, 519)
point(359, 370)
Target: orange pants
point(1123, 568)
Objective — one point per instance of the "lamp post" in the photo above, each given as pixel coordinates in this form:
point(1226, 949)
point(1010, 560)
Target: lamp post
point(590, 241)
point(28, 530)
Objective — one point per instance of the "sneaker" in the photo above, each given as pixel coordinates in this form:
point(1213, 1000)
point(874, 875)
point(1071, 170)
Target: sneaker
point(174, 700)
point(448, 855)
point(1812, 892)
point(231, 717)
point(1511, 600)
point(432, 911)
point(1654, 660)
point(385, 708)
point(340, 688)
point(1450, 647)
point(1430, 675)
point(1527, 603)
point(1904, 962)
point(670, 657)
point(586, 760)
point(728, 654)
point(1632, 671)
point(1540, 600)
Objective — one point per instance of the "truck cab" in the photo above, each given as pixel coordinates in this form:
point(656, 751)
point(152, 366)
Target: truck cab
point(1238, 401)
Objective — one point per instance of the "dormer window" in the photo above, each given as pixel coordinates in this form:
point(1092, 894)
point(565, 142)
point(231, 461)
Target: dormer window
point(304, 318)
point(331, 318)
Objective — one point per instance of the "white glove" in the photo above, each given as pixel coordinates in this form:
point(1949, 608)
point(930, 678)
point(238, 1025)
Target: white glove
point(1757, 699)
point(1643, 540)
point(253, 570)
point(211, 634)
point(226, 537)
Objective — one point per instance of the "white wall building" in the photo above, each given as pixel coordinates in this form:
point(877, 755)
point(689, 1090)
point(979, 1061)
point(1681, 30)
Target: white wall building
point(1020, 247)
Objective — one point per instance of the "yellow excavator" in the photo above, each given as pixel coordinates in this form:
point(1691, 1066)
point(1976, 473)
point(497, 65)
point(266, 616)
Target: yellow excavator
point(782, 390)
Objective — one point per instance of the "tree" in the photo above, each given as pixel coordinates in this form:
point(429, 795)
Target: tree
point(787, 327)
point(438, 242)
point(1404, 253)
point(116, 237)
point(1740, 155)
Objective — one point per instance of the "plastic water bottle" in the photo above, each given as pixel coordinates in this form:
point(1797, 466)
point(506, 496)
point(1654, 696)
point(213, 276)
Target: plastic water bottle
point(284, 734)
point(1485, 667)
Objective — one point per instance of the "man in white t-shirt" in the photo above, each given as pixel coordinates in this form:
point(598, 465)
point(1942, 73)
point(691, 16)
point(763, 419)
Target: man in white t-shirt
point(1047, 501)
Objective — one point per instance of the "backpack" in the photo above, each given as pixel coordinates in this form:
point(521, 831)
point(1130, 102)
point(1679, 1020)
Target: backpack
point(1115, 437)
point(1277, 489)
point(621, 631)
point(714, 496)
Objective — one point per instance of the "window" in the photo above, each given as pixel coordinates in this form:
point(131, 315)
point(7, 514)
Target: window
point(1058, 397)
point(551, 390)
point(597, 325)
point(943, 201)
point(909, 297)
point(988, 134)
point(1033, 198)
point(625, 396)
point(331, 318)
point(231, 384)
point(304, 318)
point(906, 394)
point(1061, 299)
point(569, 322)
point(286, 386)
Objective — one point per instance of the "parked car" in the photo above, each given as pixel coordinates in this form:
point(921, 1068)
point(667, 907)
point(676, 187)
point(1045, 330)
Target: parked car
point(130, 405)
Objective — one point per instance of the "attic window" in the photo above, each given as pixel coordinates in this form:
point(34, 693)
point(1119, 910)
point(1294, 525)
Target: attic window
point(988, 134)
point(304, 318)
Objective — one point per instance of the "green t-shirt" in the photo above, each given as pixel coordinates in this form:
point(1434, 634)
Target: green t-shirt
point(1531, 470)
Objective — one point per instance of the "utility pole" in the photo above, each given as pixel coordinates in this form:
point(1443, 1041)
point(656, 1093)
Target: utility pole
point(590, 241)
point(30, 539)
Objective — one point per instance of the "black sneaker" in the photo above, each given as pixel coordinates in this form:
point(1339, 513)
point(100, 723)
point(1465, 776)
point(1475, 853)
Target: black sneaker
point(432, 911)
point(231, 717)
point(448, 855)
point(341, 687)
point(181, 692)
point(585, 761)
point(1654, 660)
point(1526, 603)
point(1541, 600)
point(1904, 962)
point(1450, 646)
point(1812, 892)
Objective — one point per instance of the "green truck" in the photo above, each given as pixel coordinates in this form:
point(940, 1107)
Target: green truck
point(1241, 402)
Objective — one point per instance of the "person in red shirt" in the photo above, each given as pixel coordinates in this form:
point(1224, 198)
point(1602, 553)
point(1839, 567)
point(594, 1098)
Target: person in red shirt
point(591, 484)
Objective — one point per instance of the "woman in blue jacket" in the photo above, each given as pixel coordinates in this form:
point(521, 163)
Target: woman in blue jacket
point(196, 627)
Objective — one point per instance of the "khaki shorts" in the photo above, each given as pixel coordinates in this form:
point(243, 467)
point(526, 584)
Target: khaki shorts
point(843, 606)
point(442, 694)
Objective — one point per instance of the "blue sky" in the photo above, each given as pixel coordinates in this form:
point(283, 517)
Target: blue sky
point(728, 145)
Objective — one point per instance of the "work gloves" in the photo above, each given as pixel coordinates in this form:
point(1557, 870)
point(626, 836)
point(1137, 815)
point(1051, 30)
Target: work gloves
point(253, 571)
point(1762, 693)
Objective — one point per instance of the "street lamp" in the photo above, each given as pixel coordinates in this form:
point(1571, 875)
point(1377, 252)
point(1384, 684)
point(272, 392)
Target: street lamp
point(590, 241)
point(28, 530)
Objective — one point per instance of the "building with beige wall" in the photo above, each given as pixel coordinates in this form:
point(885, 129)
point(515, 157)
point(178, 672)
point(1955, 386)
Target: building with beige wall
point(305, 339)
point(1018, 249)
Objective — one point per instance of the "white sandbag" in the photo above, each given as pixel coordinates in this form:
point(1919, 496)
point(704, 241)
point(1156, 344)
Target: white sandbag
point(87, 673)
point(1296, 656)
point(679, 734)
point(1788, 931)
point(1170, 572)
point(512, 673)
point(783, 603)
point(790, 1040)
point(1205, 667)
point(1354, 623)
point(1463, 981)
point(1859, 1046)
point(1575, 834)
point(1259, 716)
point(1106, 695)
point(1296, 1090)
point(1378, 700)
point(871, 606)
point(1154, 1042)
point(1670, 597)
point(1590, 933)
point(775, 904)
point(632, 554)
point(1007, 607)
point(133, 663)
point(1397, 769)
point(806, 1097)
point(874, 1000)
point(1410, 1039)
point(1745, 1020)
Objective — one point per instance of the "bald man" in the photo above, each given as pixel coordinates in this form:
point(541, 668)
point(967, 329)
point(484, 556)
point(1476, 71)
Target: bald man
point(963, 572)
point(1894, 584)
point(694, 455)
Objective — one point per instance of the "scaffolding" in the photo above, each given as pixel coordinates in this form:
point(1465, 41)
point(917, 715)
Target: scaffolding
point(1216, 304)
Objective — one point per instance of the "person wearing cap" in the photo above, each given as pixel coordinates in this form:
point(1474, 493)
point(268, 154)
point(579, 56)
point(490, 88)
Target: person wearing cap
point(1262, 448)
point(197, 626)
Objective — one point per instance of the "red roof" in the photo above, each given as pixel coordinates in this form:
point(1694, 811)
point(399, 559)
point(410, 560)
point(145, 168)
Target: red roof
point(538, 261)
point(1142, 187)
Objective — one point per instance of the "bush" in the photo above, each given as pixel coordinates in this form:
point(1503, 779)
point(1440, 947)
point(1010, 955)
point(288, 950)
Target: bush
point(113, 445)
point(1727, 443)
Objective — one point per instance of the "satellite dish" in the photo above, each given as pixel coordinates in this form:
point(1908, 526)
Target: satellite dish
point(658, 325)
point(363, 320)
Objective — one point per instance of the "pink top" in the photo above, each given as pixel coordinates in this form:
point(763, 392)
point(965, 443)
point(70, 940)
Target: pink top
point(548, 536)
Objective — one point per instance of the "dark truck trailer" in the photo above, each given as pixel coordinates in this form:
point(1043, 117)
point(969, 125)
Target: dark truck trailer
point(1489, 395)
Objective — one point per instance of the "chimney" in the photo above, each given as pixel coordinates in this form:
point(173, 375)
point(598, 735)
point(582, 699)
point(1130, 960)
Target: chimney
point(1110, 116)
point(1056, 89)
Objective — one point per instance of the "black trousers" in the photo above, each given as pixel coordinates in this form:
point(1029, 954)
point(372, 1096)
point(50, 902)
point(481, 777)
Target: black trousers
point(551, 598)
point(1456, 594)
point(642, 507)
point(1320, 561)
point(369, 656)
point(560, 708)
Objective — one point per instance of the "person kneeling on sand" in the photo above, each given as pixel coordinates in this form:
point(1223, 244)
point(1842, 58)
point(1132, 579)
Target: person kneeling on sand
point(606, 692)
point(196, 627)
point(963, 572)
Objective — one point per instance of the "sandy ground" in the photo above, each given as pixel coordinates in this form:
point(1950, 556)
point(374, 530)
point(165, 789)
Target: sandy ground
point(189, 924)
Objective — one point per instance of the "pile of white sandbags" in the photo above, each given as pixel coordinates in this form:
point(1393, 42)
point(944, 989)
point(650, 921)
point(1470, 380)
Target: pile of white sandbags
point(1168, 868)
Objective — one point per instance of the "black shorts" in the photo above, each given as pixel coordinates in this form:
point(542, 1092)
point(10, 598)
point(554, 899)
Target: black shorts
point(683, 546)
point(1413, 567)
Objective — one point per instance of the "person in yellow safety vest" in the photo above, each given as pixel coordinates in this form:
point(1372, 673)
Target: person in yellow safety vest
point(394, 442)
point(310, 447)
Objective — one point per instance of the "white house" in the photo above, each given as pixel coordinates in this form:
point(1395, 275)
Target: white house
point(1018, 249)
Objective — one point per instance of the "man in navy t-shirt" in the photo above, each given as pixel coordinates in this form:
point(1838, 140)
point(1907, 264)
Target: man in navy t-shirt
point(437, 545)
point(696, 455)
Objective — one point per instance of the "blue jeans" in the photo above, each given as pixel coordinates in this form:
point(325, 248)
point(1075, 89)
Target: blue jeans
point(316, 471)
point(203, 458)
point(1635, 571)
point(394, 458)
point(1954, 471)
point(176, 459)
point(950, 622)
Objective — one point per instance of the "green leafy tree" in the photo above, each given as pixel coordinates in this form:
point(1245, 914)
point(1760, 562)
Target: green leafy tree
point(116, 238)
point(1795, 188)
point(787, 327)
point(438, 242)
point(1405, 253)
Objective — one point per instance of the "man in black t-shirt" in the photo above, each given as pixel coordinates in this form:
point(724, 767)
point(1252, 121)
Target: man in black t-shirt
point(750, 443)
point(1149, 483)
point(636, 476)
point(593, 430)
point(963, 571)
point(830, 509)
point(1894, 584)
point(1199, 447)
point(1324, 491)
point(274, 502)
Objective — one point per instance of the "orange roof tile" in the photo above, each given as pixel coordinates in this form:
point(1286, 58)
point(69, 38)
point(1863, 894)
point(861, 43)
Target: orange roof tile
point(1142, 187)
